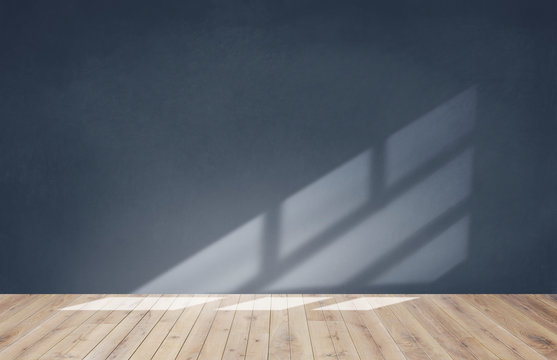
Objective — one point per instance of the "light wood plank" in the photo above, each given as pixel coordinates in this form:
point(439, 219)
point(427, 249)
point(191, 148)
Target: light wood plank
point(83, 339)
point(196, 339)
point(237, 343)
point(47, 334)
point(10, 333)
point(491, 335)
point(465, 342)
point(155, 338)
point(401, 335)
point(18, 312)
point(7, 300)
point(24, 312)
point(385, 342)
point(361, 336)
point(258, 341)
point(534, 308)
point(182, 327)
point(321, 341)
point(13, 303)
point(103, 349)
point(231, 327)
point(340, 335)
point(61, 349)
point(215, 341)
point(533, 334)
point(135, 337)
point(279, 336)
point(300, 346)
point(438, 332)
point(419, 333)
point(549, 299)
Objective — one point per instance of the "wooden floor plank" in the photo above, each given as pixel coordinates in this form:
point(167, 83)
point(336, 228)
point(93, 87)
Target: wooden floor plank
point(182, 327)
point(215, 341)
point(446, 340)
point(135, 337)
point(321, 341)
point(7, 300)
point(300, 340)
point(279, 335)
point(11, 333)
point(48, 333)
point(449, 329)
point(540, 300)
point(237, 343)
point(19, 312)
point(258, 341)
point(535, 309)
point(361, 336)
point(426, 341)
point(383, 338)
point(83, 339)
point(13, 303)
point(62, 348)
point(301, 327)
point(524, 328)
point(406, 342)
point(489, 333)
point(340, 335)
point(194, 342)
point(549, 299)
point(155, 338)
point(23, 313)
point(103, 349)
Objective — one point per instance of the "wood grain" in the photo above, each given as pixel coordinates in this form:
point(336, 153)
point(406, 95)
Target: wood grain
point(278, 326)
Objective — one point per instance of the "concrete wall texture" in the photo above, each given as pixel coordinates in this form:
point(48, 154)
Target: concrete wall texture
point(278, 146)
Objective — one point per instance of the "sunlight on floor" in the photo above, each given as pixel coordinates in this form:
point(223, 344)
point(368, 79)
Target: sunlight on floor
point(138, 303)
point(277, 303)
point(367, 303)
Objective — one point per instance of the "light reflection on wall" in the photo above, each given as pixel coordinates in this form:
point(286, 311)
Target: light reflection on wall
point(220, 267)
point(432, 260)
point(313, 209)
point(412, 229)
point(430, 135)
point(384, 230)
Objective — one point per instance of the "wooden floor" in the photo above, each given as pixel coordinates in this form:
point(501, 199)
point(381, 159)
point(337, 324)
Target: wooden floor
point(278, 327)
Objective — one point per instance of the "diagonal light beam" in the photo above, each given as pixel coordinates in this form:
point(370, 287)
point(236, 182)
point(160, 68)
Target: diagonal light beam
point(367, 303)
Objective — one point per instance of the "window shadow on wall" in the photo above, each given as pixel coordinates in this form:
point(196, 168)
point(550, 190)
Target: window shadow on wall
point(396, 214)
point(293, 145)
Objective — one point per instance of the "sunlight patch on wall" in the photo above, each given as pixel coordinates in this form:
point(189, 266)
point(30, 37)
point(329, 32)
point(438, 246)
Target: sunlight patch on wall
point(430, 135)
point(334, 230)
point(432, 260)
point(384, 230)
point(313, 209)
point(223, 265)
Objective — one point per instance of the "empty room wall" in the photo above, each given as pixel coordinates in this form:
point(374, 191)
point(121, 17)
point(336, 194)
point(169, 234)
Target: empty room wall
point(288, 146)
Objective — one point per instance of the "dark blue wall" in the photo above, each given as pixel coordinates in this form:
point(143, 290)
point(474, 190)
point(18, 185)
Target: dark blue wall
point(134, 136)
